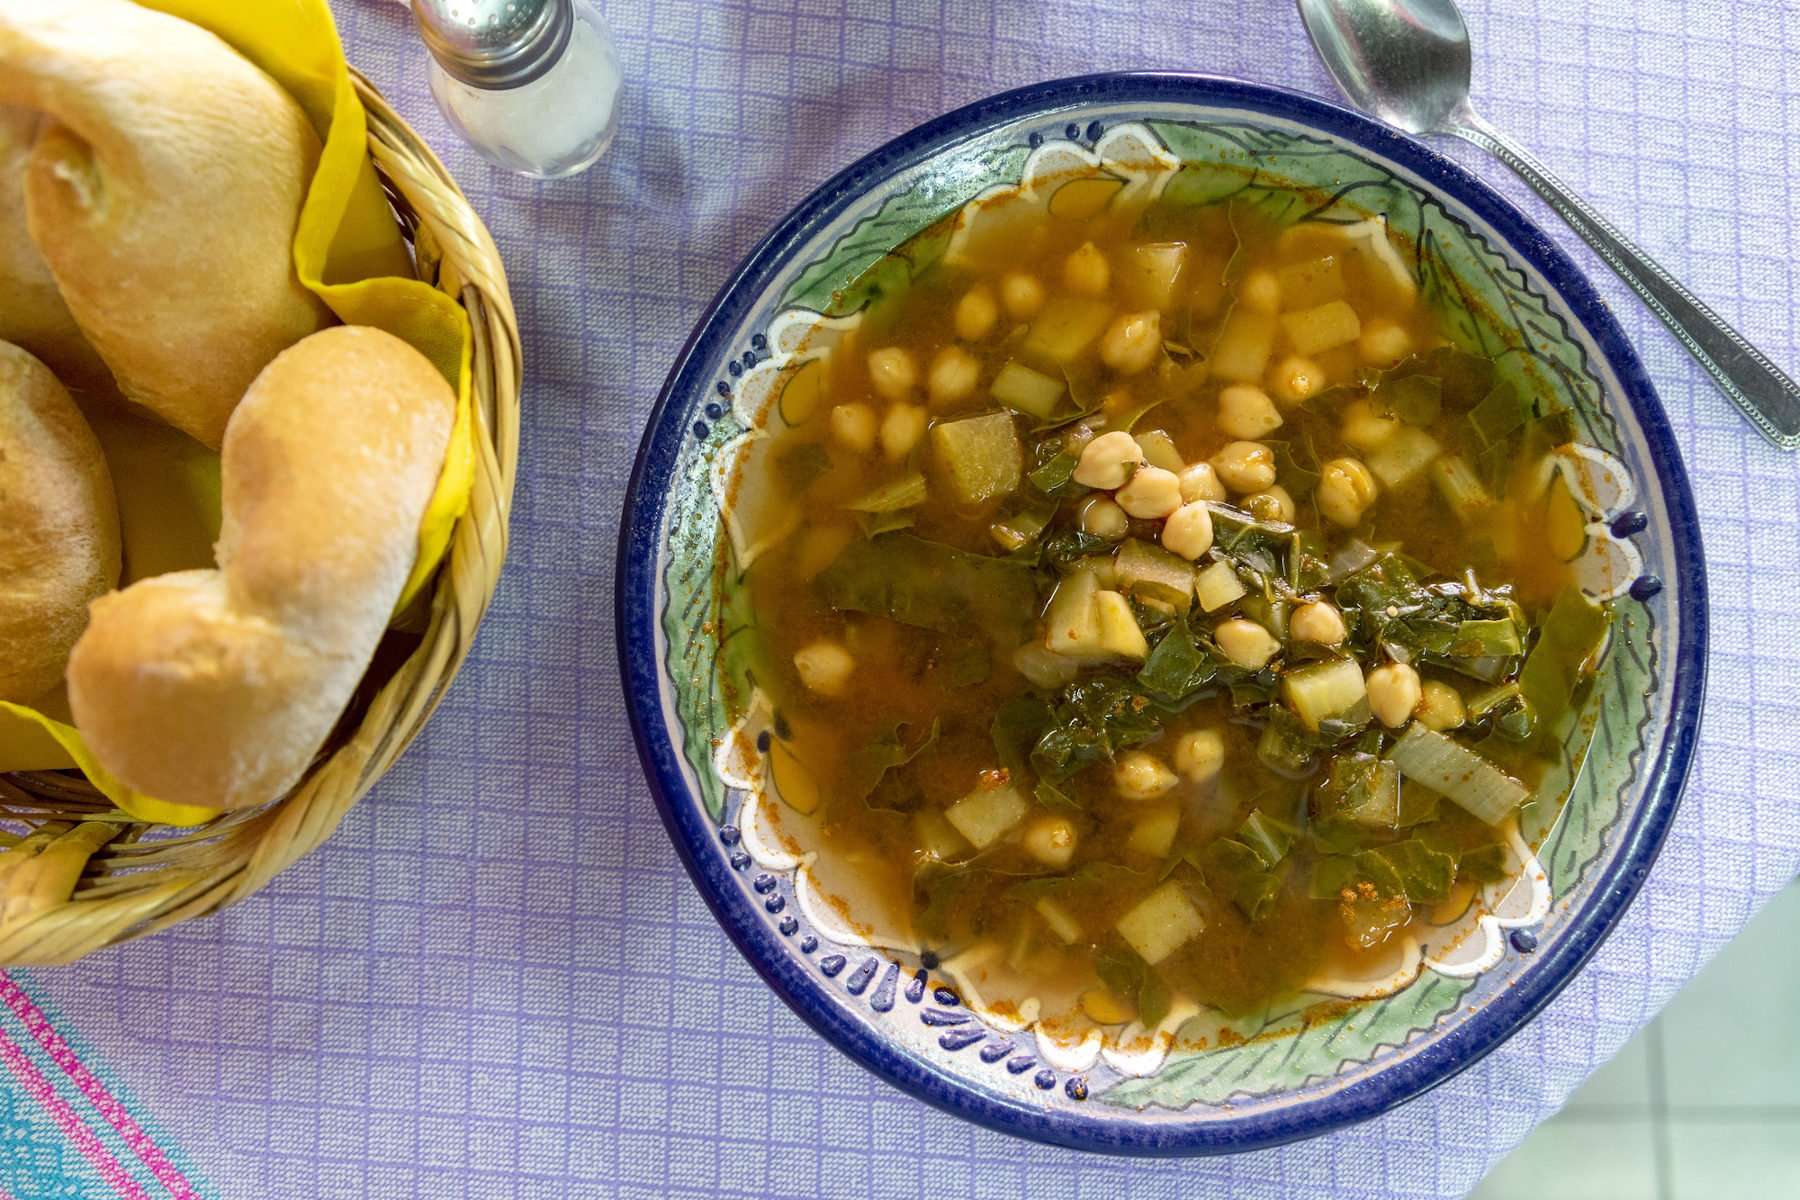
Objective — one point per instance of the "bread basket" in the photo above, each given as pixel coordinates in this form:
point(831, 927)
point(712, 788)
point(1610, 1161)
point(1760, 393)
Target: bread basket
point(84, 875)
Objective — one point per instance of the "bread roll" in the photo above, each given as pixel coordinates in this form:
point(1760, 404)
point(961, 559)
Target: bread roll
point(163, 194)
point(32, 313)
point(59, 527)
point(217, 688)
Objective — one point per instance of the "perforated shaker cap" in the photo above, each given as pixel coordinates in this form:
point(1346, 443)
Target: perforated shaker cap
point(495, 44)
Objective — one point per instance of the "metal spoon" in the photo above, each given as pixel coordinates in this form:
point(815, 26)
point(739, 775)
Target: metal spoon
point(1407, 62)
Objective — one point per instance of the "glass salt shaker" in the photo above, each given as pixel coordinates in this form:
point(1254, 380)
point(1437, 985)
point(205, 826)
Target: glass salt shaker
point(531, 84)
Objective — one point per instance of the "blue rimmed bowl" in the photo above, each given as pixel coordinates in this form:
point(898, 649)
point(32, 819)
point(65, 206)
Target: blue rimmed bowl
point(898, 1016)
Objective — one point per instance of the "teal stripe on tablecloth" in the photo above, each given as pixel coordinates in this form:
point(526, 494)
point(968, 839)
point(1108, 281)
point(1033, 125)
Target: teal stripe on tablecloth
point(94, 1094)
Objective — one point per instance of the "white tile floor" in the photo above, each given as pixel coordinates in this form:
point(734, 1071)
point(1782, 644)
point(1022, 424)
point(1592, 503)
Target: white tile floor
point(1687, 1110)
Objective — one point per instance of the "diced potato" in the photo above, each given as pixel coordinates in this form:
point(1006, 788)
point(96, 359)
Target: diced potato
point(1159, 450)
point(1312, 282)
point(1154, 833)
point(1324, 690)
point(1311, 330)
point(1032, 392)
point(978, 457)
point(1066, 328)
point(1400, 459)
point(1155, 573)
point(1218, 585)
point(1241, 353)
point(1160, 923)
point(1060, 920)
point(936, 836)
point(1119, 632)
point(1151, 274)
point(987, 815)
point(1072, 622)
point(1102, 567)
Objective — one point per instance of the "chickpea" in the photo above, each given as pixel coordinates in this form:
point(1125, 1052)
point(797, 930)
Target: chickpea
point(1260, 291)
point(1050, 840)
point(1022, 295)
point(953, 376)
point(1365, 428)
point(1295, 378)
point(1151, 494)
point(1271, 504)
point(853, 427)
point(1042, 667)
point(1108, 461)
point(893, 372)
point(1140, 775)
point(1245, 411)
point(1102, 517)
point(1441, 706)
point(1394, 693)
point(1200, 755)
point(1245, 642)
point(901, 430)
point(1345, 491)
point(1104, 1008)
point(1200, 482)
point(1319, 622)
point(1085, 272)
point(1245, 466)
point(1130, 344)
point(1383, 343)
point(1188, 531)
point(976, 314)
point(825, 667)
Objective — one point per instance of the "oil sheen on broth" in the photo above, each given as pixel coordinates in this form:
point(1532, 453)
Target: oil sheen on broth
point(1169, 612)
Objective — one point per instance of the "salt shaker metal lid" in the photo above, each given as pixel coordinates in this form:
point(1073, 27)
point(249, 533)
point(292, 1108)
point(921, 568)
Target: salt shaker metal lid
point(495, 44)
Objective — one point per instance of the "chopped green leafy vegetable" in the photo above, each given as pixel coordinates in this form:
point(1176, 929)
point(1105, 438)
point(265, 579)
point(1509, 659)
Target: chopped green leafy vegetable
point(1268, 837)
point(1134, 981)
point(931, 585)
point(869, 766)
point(802, 463)
point(1458, 773)
point(1569, 644)
point(1093, 720)
point(906, 492)
point(1179, 666)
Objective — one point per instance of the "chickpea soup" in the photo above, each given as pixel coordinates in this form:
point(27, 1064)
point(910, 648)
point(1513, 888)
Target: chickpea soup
point(1167, 617)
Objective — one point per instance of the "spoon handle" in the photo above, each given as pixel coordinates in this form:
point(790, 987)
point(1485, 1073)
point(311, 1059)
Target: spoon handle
point(1769, 398)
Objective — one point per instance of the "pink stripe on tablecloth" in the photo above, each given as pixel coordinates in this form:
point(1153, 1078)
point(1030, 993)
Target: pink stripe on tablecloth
point(58, 1108)
point(60, 1052)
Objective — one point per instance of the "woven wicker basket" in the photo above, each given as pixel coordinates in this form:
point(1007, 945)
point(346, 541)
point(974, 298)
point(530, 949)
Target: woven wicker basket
point(86, 875)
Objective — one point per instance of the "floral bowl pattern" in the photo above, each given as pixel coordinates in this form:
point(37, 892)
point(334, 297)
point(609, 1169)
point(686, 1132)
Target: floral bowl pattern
point(713, 755)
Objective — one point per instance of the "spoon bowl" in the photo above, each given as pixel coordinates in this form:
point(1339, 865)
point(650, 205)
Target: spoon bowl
point(1405, 61)
point(1408, 63)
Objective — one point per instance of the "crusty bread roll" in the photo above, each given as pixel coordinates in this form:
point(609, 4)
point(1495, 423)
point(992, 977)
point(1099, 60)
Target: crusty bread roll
point(32, 313)
point(217, 688)
point(163, 194)
point(59, 527)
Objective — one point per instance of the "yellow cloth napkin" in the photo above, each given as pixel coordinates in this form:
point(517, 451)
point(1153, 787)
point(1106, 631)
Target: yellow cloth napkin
point(349, 251)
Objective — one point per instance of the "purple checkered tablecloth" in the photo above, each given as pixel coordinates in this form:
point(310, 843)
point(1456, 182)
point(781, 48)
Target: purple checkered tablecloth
point(496, 980)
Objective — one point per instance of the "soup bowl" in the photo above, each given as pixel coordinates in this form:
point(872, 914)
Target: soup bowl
point(708, 747)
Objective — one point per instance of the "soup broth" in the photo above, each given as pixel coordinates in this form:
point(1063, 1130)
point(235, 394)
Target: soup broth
point(1170, 612)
